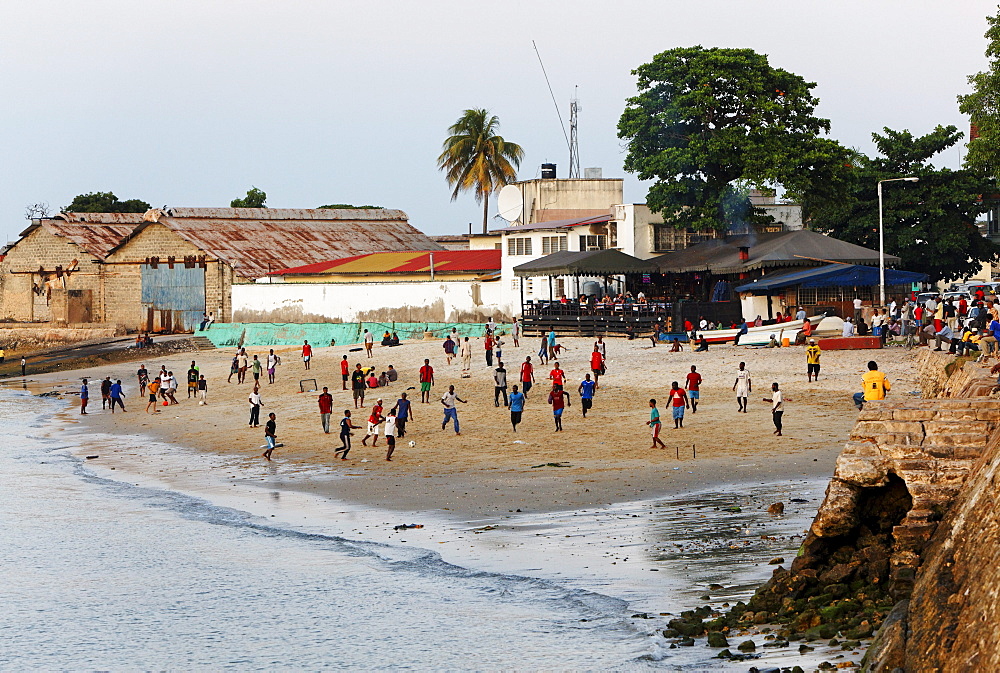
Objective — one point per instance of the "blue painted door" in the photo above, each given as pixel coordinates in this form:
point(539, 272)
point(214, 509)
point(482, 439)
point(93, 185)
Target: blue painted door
point(173, 299)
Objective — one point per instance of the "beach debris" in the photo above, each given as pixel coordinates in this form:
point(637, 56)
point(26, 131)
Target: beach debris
point(408, 526)
point(477, 531)
point(777, 560)
point(51, 393)
point(776, 508)
point(641, 615)
point(92, 457)
point(734, 508)
point(799, 500)
point(518, 441)
point(552, 465)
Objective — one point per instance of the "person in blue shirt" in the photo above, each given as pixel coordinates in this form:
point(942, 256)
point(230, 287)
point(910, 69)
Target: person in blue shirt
point(84, 397)
point(116, 396)
point(552, 343)
point(516, 407)
point(586, 390)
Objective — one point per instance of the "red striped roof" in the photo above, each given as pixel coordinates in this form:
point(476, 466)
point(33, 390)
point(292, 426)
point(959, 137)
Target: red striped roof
point(445, 261)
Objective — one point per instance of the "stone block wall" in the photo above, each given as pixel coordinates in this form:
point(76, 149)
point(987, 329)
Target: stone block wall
point(40, 248)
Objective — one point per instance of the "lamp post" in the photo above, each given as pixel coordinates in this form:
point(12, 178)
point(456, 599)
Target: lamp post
point(881, 238)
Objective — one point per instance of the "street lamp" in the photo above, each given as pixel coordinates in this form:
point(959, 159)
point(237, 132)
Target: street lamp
point(881, 238)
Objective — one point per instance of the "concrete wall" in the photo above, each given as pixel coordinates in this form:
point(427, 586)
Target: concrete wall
point(435, 301)
point(546, 200)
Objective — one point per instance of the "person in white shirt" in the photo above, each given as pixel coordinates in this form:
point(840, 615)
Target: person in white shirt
point(777, 408)
point(369, 342)
point(857, 310)
point(703, 324)
point(255, 405)
point(390, 433)
point(448, 400)
point(601, 347)
point(800, 314)
point(465, 351)
point(848, 328)
point(272, 362)
point(515, 332)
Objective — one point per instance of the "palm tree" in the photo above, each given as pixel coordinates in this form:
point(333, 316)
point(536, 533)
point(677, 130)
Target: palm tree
point(475, 157)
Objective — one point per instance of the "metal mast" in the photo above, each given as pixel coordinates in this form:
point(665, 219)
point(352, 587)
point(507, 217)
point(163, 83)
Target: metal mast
point(574, 148)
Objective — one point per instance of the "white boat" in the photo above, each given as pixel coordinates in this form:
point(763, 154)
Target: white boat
point(758, 336)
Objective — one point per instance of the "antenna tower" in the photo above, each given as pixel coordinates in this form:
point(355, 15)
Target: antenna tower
point(574, 148)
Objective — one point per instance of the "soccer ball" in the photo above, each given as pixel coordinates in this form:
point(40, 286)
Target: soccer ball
point(201, 402)
point(412, 443)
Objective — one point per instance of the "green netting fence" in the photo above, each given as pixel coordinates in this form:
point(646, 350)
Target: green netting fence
point(224, 335)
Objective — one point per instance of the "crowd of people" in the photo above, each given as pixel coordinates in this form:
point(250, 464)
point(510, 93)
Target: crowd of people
point(512, 389)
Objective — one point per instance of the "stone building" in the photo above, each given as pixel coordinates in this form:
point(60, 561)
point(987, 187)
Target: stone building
point(160, 271)
point(53, 272)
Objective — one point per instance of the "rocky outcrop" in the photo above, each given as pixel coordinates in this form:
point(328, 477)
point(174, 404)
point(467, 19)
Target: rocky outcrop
point(897, 538)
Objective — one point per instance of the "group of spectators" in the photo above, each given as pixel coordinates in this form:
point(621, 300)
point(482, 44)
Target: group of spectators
point(962, 326)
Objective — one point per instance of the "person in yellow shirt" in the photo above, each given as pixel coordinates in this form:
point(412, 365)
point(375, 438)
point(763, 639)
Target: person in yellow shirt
point(874, 386)
point(813, 353)
point(969, 342)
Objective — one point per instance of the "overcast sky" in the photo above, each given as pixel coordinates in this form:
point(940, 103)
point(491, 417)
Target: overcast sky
point(190, 102)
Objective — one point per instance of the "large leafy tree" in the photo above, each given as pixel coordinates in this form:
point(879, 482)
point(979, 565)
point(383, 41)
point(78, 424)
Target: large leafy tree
point(983, 108)
point(104, 202)
point(706, 118)
point(476, 158)
point(255, 198)
point(929, 224)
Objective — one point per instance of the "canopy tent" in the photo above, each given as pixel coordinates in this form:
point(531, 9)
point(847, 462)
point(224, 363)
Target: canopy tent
point(589, 263)
point(830, 275)
point(789, 248)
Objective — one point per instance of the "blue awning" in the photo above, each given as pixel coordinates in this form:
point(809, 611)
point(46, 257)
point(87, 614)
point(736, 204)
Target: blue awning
point(831, 275)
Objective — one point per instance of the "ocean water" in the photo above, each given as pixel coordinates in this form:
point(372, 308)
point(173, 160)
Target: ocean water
point(101, 573)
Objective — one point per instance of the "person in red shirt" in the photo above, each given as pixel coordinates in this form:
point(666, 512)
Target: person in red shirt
point(559, 401)
point(527, 376)
point(325, 409)
point(688, 327)
point(692, 384)
point(426, 381)
point(556, 376)
point(597, 365)
point(488, 344)
point(373, 423)
point(307, 353)
point(345, 371)
point(678, 401)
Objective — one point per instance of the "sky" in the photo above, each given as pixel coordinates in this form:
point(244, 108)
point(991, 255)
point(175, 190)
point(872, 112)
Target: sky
point(189, 103)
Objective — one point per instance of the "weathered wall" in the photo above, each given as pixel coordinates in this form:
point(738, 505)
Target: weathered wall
point(949, 623)
point(432, 301)
point(41, 249)
point(123, 276)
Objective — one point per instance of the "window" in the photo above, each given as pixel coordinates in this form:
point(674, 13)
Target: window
point(530, 286)
point(593, 242)
point(518, 246)
point(552, 244)
point(515, 284)
point(560, 288)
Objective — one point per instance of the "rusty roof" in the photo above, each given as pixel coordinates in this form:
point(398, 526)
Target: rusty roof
point(256, 241)
point(94, 233)
point(445, 261)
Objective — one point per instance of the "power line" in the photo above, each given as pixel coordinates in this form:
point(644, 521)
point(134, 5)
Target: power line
point(554, 103)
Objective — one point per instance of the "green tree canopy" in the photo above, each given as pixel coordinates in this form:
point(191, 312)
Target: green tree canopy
point(255, 198)
point(930, 224)
point(706, 118)
point(104, 202)
point(983, 108)
point(475, 157)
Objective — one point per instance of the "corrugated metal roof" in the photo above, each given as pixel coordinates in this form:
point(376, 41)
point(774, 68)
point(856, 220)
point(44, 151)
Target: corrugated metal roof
point(94, 233)
point(256, 241)
point(364, 214)
point(445, 261)
point(557, 224)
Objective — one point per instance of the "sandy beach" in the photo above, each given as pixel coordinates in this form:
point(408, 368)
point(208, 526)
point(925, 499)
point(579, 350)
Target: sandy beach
point(489, 469)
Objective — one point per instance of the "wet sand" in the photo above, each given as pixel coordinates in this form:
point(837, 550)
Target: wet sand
point(490, 470)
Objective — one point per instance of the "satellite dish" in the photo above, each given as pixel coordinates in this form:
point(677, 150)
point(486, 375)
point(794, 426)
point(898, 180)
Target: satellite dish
point(510, 203)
